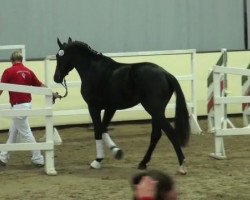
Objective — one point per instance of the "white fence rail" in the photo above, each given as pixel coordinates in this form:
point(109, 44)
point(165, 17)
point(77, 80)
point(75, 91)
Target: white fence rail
point(47, 112)
point(15, 47)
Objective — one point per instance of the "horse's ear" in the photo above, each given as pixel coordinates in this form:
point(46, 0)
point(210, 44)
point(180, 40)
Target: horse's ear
point(59, 43)
point(69, 40)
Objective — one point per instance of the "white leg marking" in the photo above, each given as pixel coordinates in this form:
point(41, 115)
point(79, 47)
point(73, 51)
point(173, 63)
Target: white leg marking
point(182, 169)
point(107, 140)
point(117, 152)
point(95, 164)
point(99, 149)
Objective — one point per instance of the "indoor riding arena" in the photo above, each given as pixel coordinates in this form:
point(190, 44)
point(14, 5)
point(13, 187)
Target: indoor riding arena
point(118, 77)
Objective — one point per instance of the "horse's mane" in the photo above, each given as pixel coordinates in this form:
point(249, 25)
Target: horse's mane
point(85, 46)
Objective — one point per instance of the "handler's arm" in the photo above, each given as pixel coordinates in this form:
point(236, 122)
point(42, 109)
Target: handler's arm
point(55, 94)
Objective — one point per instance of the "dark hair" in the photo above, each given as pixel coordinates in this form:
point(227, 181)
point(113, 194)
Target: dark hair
point(165, 182)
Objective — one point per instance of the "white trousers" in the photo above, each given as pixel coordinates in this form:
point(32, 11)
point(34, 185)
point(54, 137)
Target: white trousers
point(21, 125)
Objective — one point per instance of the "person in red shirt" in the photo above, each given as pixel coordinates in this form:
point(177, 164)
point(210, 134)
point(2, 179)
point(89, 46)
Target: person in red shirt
point(19, 74)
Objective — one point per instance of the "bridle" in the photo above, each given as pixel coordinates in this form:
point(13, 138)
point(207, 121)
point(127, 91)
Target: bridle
point(64, 84)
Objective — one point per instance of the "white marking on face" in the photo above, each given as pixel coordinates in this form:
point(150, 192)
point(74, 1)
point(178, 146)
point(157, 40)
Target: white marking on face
point(61, 52)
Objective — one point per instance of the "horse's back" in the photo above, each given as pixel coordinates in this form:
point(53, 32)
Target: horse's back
point(151, 79)
point(130, 84)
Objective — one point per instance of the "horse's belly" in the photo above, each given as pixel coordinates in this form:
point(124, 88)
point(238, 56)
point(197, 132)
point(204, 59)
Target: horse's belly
point(120, 104)
point(125, 106)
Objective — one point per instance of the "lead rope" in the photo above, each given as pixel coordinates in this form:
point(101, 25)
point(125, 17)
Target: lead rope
point(64, 84)
point(55, 95)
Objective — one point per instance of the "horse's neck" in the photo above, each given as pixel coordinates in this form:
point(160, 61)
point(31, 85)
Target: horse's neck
point(96, 68)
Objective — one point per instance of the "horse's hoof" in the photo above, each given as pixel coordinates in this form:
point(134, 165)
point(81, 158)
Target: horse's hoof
point(95, 165)
point(142, 166)
point(117, 153)
point(182, 170)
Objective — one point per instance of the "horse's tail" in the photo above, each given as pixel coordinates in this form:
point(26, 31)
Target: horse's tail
point(182, 126)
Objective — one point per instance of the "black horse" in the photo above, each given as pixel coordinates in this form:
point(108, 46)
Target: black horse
point(108, 85)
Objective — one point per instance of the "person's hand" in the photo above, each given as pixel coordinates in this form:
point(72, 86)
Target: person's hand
point(146, 188)
point(55, 96)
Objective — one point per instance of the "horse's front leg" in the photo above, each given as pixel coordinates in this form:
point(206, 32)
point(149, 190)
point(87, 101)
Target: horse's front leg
point(116, 151)
point(95, 114)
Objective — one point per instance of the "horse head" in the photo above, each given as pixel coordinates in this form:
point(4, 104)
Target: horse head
point(63, 58)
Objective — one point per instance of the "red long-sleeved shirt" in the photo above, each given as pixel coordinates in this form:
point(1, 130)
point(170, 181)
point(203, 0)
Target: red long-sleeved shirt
point(21, 75)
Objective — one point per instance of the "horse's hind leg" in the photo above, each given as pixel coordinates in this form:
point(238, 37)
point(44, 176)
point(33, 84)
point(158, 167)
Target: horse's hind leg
point(157, 111)
point(116, 151)
point(155, 136)
point(170, 132)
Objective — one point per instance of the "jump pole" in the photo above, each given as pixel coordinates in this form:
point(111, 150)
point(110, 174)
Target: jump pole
point(223, 90)
point(220, 130)
point(245, 83)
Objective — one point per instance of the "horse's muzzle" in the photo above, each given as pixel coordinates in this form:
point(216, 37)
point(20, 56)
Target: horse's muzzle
point(58, 79)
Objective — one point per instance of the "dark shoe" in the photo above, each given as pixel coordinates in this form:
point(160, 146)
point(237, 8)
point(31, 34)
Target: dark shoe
point(2, 163)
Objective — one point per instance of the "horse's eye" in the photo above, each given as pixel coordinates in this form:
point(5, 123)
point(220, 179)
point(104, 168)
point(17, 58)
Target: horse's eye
point(61, 52)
